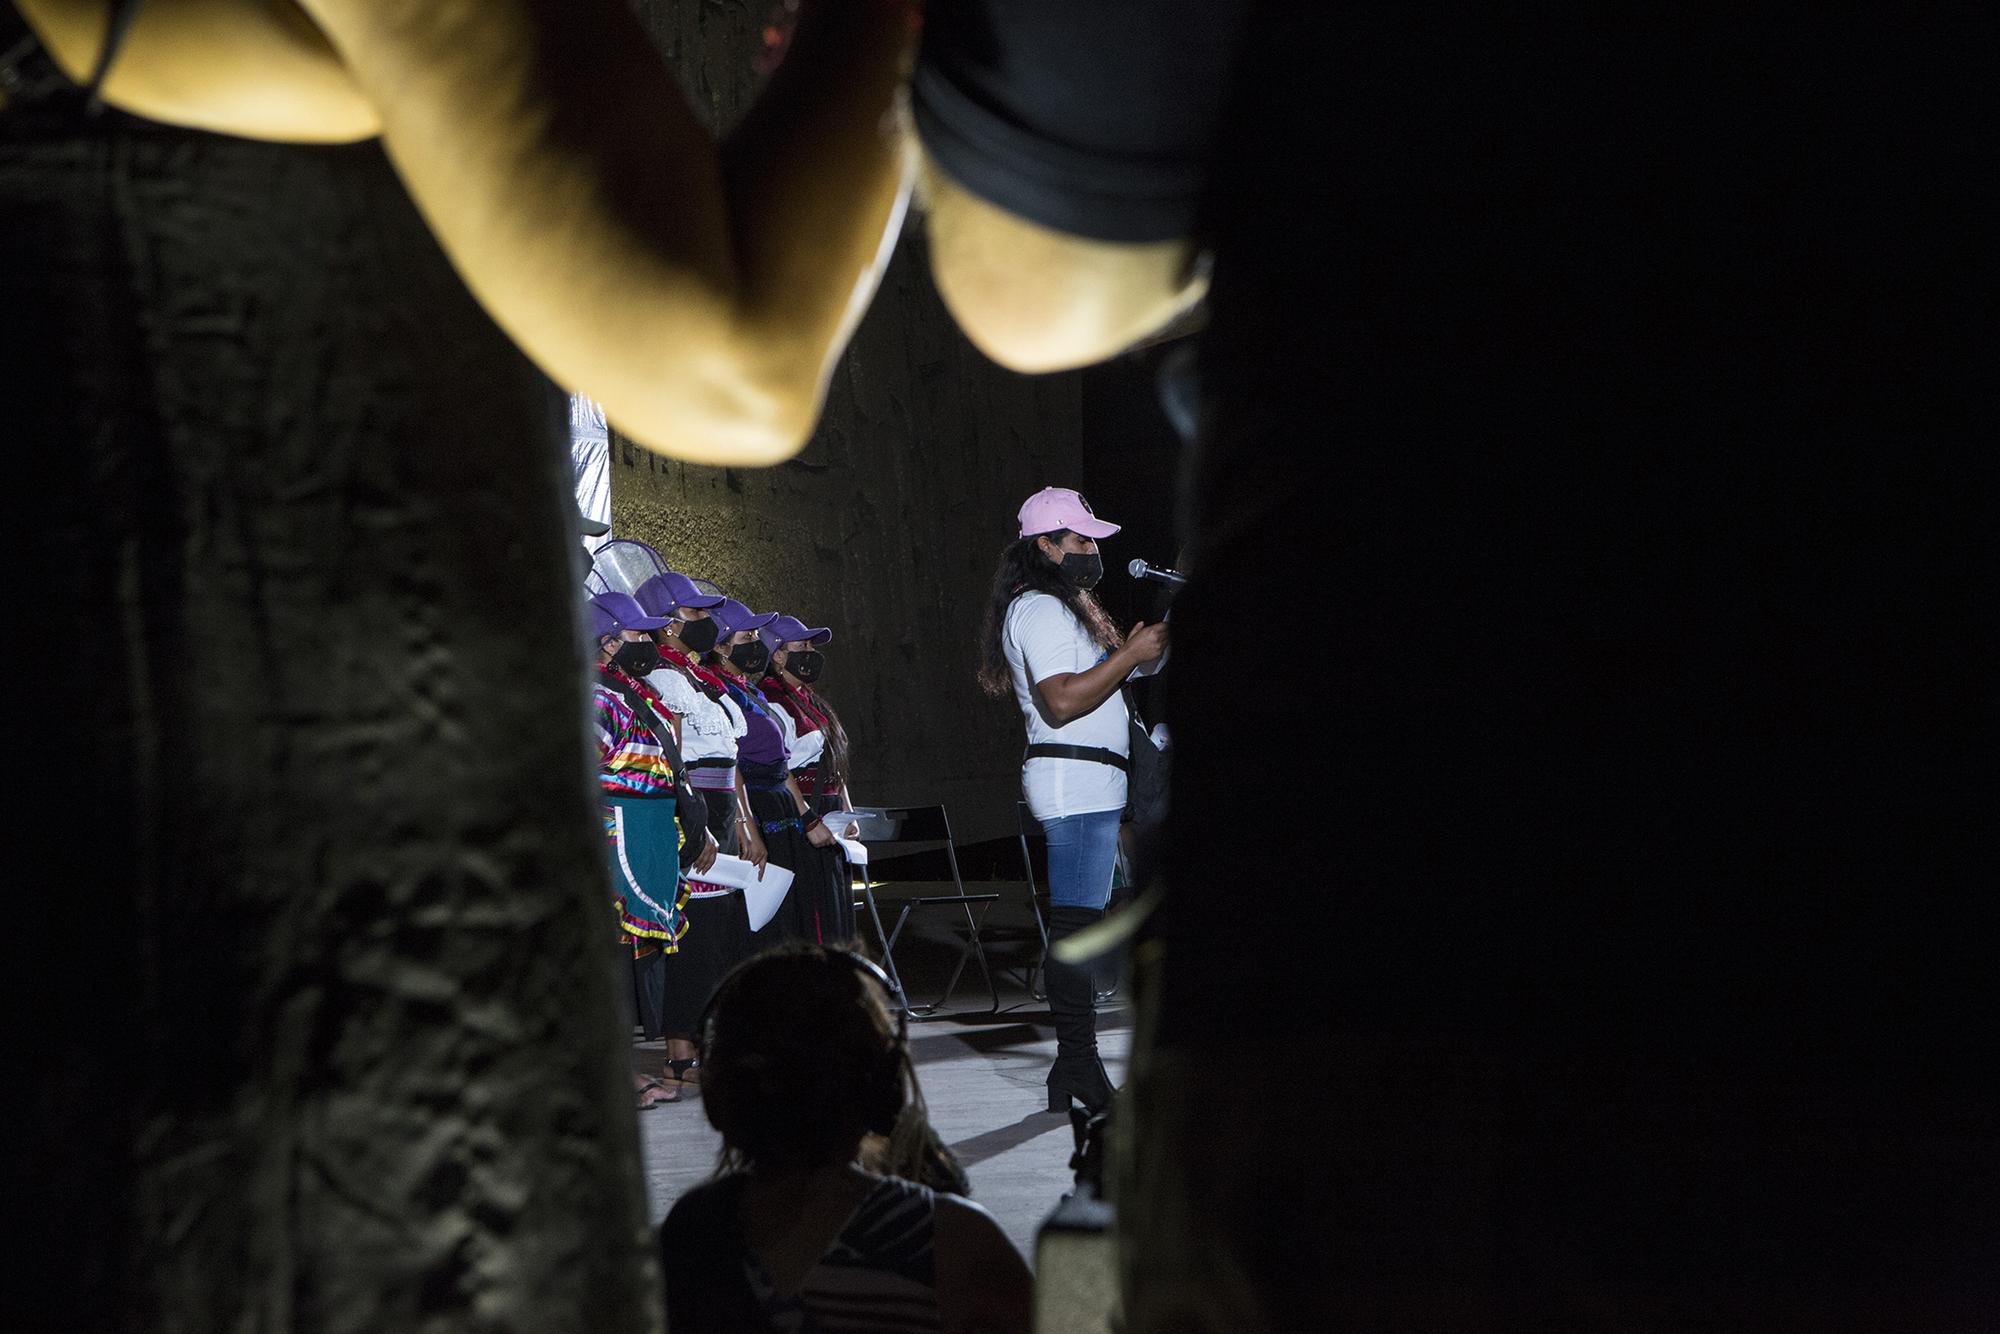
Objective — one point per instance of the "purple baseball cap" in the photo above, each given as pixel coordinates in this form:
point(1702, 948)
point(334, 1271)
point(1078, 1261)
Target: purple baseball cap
point(1055, 507)
point(612, 612)
point(665, 591)
point(786, 629)
point(733, 616)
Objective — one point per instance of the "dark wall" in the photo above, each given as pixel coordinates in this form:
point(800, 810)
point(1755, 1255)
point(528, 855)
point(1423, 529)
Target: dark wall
point(1131, 462)
point(887, 525)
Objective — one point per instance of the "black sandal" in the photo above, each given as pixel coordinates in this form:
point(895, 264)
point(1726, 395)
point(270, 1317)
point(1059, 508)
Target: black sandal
point(678, 1070)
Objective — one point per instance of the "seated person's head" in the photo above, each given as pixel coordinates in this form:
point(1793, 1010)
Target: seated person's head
point(803, 1056)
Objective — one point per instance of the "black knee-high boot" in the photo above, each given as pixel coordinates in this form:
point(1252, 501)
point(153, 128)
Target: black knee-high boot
point(1077, 1073)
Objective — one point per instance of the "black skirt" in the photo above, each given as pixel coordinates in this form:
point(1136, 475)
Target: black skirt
point(840, 905)
point(816, 909)
point(718, 936)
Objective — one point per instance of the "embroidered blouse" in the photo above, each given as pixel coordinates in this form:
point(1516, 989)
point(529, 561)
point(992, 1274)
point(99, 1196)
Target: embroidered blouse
point(631, 762)
point(805, 735)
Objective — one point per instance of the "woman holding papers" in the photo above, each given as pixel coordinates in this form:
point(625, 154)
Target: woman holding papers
point(1049, 642)
point(816, 748)
point(720, 933)
point(792, 832)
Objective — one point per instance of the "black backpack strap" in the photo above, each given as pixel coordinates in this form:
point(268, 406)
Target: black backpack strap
point(1053, 750)
point(692, 808)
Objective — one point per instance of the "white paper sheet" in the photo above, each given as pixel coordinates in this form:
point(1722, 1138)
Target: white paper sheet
point(761, 897)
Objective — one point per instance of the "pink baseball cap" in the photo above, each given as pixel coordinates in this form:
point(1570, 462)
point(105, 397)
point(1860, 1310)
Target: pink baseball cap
point(1055, 507)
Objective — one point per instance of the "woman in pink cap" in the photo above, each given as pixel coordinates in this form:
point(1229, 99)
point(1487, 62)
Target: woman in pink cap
point(1050, 643)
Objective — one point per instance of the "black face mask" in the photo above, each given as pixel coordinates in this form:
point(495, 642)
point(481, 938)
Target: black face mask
point(750, 658)
point(637, 657)
point(699, 636)
point(805, 664)
point(1083, 568)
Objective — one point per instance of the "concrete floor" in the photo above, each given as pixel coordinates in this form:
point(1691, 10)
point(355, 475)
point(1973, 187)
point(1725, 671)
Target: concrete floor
point(982, 1076)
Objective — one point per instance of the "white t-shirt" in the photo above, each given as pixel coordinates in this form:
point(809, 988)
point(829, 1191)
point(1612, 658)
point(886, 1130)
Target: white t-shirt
point(709, 729)
point(1042, 639)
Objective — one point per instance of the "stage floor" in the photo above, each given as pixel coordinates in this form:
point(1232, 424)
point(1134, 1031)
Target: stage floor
point(982, 1076)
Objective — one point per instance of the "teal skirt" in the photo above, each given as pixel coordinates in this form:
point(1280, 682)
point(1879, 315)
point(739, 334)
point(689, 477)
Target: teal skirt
point(643, 843)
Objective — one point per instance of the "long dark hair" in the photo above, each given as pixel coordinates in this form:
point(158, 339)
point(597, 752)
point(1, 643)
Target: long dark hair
point(1025, 569)
point(834, 762)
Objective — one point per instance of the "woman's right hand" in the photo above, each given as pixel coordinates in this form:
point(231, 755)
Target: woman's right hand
point(753, 849)
point(706, 857)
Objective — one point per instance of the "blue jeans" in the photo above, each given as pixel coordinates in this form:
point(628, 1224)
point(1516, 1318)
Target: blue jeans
point(1083, 849)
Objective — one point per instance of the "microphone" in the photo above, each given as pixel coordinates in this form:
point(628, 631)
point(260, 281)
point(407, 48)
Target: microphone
point(1138, 569)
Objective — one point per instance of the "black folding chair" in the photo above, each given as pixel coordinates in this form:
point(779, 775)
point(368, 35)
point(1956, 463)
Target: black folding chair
point(897, 831)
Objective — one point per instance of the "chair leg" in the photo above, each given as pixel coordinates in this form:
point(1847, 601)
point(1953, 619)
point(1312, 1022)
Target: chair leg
point(974, 942)
point(975, 946)
point(973, 924)
point(889, 951)
point(930, 1009)
point(972, 947)
point(888, 954)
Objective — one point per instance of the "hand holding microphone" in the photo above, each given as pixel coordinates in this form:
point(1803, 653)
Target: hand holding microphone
point(1148, 642)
